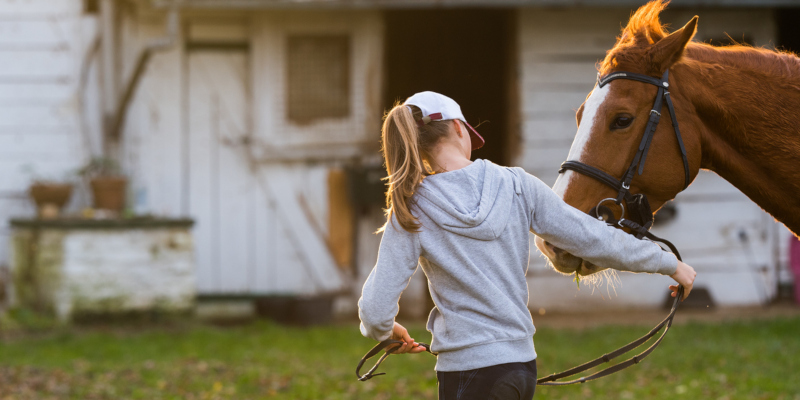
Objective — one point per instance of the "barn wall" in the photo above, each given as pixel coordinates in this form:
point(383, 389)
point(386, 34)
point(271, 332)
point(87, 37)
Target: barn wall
point(43, 43)
point(42, 46)
point(558, 51)
point(153, 152)
point(272, 166)
point(308, 151)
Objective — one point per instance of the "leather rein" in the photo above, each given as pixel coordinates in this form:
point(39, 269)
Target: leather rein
point(639, 221)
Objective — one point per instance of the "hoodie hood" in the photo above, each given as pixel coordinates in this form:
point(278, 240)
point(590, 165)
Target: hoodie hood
point(469, 201)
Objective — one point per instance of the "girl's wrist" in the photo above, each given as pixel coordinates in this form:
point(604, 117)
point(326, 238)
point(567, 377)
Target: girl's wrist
point(677, 270)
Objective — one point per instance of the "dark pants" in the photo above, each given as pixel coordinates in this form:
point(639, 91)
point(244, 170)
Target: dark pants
point(512, 381)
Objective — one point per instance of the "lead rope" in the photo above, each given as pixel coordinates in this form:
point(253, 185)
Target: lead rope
point(605, 358)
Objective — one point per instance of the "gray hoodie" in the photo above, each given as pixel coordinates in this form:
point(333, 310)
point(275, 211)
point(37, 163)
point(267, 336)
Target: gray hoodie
point(474, 247)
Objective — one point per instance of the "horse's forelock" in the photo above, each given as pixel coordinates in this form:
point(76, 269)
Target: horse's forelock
point(645, 22)
point(644, 28)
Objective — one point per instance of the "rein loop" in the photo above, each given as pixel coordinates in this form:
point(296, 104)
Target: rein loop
point(375, 350)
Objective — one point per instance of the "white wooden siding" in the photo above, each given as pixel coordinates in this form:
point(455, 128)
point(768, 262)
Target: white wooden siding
point(42, 44)
point(154, 136)
point(559, 49)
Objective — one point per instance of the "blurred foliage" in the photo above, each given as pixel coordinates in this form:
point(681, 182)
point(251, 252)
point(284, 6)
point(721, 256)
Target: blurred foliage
point(21, 320)
point(262, 360)
point(100, 166)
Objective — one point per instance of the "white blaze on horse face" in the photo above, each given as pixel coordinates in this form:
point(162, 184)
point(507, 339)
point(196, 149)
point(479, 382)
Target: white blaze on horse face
point(590, 108)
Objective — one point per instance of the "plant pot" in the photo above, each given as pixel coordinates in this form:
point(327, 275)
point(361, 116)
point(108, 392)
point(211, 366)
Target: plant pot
point(50, 196)
point(109, 192)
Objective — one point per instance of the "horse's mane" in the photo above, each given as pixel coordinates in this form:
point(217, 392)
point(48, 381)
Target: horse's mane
point(631, 52)
point(781, 64)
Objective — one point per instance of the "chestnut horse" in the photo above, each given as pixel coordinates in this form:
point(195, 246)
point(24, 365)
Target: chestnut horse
point(738, 109)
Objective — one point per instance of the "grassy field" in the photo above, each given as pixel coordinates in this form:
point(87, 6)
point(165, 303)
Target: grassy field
point(730, 360)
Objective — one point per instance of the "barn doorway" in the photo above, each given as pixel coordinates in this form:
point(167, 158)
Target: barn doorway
point(466, 54)
point(788, 29)
point(470, 56)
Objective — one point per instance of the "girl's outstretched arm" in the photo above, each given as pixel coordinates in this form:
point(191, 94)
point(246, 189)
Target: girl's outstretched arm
point(579, 234)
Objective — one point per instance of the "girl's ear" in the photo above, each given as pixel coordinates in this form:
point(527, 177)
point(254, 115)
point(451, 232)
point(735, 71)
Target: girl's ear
point(459, 128)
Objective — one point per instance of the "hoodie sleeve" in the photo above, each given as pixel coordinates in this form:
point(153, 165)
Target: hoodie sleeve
point(588, 238)
point(398, 257)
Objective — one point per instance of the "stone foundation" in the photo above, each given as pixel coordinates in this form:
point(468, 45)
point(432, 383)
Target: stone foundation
point(79, 267)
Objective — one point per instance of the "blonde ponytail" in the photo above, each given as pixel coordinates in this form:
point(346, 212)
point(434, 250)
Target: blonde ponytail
point(405, 147)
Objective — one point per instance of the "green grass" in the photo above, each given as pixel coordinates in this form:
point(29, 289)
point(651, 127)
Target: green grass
point(741, 360)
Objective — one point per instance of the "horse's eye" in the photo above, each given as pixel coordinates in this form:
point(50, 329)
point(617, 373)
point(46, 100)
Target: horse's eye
point(621, 122)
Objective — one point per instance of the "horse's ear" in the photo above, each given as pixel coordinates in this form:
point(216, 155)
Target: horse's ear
point(668, 50)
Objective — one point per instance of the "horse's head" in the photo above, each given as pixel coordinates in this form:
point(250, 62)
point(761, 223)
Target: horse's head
point(611, 123)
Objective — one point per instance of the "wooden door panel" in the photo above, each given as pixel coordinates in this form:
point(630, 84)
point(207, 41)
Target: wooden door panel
point(222, 191)
point(260, 229)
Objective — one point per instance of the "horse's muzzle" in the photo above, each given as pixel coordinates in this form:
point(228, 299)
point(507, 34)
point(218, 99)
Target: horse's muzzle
point(565, 262)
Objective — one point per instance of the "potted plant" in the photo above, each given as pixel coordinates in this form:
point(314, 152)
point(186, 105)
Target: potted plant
point(49, 195)
point(109, 185)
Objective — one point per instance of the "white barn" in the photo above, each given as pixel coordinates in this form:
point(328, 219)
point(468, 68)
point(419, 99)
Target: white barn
point(250, 114)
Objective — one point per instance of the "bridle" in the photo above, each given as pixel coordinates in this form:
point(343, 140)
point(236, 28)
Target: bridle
point(639, 221)
point(640, 215)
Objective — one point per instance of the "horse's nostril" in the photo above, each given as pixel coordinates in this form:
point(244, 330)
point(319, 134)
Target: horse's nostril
point(555, 249)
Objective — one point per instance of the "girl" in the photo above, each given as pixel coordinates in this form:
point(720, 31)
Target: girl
point(466, 223)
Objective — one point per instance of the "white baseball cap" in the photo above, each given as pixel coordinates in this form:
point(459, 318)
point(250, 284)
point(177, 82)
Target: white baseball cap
point(437, 107)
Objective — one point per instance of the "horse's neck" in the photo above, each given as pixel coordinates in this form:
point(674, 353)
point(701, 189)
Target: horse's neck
point(751, 126)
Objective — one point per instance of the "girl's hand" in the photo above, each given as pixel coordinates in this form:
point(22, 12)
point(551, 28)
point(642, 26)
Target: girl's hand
point(684, 275)
point(409, 345)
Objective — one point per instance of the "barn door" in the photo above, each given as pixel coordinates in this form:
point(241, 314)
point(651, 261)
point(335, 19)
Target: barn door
point(259, 229)
point(222, 192)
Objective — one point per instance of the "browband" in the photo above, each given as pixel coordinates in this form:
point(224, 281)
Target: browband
point(605, 79)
